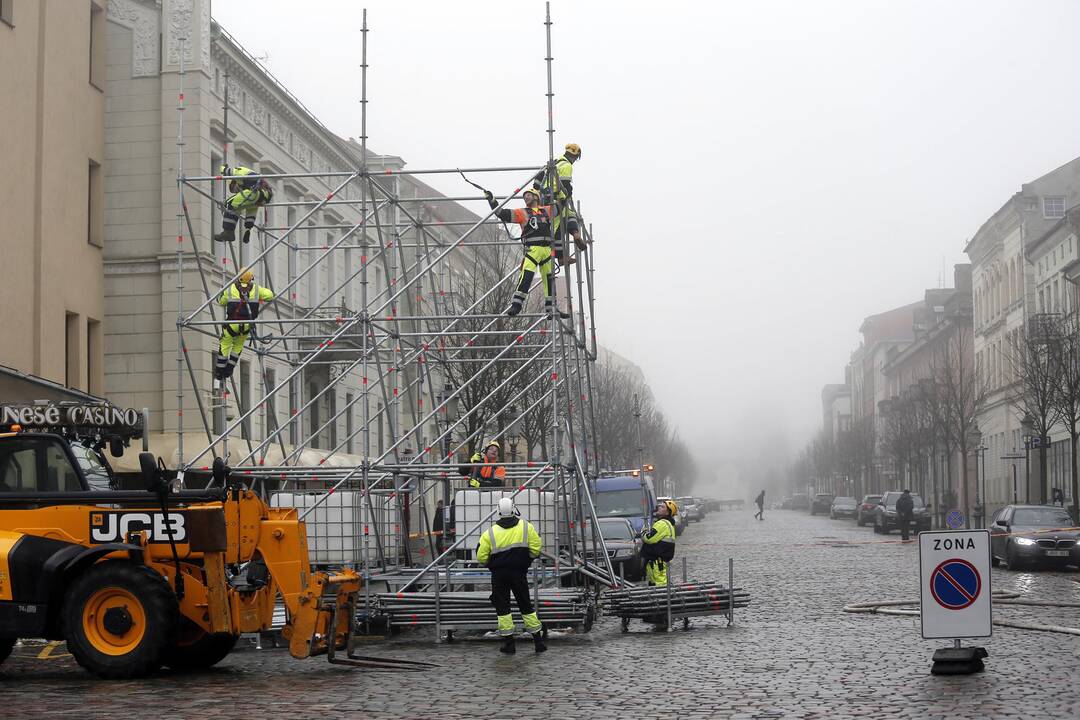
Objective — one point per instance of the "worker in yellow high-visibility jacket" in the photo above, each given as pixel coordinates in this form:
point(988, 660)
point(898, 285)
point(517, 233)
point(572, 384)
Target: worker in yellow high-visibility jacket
point(508, 548)
point(241, 301)
point(659, 543)
point(248, 195)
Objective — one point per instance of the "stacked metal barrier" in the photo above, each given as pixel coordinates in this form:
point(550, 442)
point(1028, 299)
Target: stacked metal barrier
point(473, 610)
point(677, 601)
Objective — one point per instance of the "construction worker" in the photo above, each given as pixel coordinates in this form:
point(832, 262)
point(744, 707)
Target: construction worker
point(248, 195)
point(563, 182)
point(241, 301)
point(659, 543)
point(508, 548)
point(484, 472)
point(535, 222)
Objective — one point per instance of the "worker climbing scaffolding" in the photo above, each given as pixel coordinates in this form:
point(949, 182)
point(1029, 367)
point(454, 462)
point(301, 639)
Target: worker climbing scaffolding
point(558, 187)
point(241, 300)
point(536, 233)
point(484, 472)
point(248, 195)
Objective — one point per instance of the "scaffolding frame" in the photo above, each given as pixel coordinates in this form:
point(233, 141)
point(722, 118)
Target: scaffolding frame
point(404, 343)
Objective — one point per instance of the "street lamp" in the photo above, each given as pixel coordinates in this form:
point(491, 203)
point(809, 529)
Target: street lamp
point(513, 432)
point(1027, 428)
point(974, 438)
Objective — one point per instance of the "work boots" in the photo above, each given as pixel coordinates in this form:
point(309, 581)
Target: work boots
point(508, 646)
point(225, 236)
point(538, 642)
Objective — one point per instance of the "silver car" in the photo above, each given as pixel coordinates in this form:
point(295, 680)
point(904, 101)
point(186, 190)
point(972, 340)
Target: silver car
point(1033, 535)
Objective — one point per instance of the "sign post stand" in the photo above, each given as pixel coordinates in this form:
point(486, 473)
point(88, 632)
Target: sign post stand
point(954, 593)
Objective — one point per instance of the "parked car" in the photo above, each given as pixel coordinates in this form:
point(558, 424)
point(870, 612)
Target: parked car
point(800, 502)
point(1019, 536)
point(843, 507)
point(885, 513)
point(821, 503)
point(689, 507)
point(679, 520)
point(866, 509)
point(623, 546)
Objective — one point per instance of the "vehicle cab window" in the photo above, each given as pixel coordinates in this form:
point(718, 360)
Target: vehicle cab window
point(36, 464)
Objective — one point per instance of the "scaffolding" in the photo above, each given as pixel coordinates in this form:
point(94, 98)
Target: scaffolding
point(436, 365)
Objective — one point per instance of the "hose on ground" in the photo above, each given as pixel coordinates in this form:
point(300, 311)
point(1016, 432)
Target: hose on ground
point(903, 608)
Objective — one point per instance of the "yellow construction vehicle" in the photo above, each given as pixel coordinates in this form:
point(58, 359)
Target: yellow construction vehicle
point(133, 580)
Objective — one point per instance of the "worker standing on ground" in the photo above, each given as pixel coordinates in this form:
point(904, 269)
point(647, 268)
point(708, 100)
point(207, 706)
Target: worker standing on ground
point(508, 548)
point(242, 300)
point(659, 543)
point(563, 184)
point(760, 502)
point(905, 507)
point(535, 221)
point(484, 470)
point(248, 195)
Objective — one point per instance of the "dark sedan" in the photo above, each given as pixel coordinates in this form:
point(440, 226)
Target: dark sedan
point(1033, 535)
point(623, 545)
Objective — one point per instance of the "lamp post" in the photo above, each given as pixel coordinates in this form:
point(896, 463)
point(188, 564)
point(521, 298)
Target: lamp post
point(974, 440)
point(1027, 427)
point(513, 432)
point(450, 414)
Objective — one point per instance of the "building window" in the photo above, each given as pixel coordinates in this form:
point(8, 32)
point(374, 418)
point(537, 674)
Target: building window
point(5, 12)
point(245, 398)
point(350, 444)
point(294, 404)
point(95, 202)
point(71, 350)
point(1054, 206)
point(314, 416)
point(270, 406)
point(97, 46)
point(331, 268)
point(331, 417)
point(93, 350)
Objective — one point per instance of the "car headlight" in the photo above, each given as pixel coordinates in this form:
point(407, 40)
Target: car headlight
point(1024, 541)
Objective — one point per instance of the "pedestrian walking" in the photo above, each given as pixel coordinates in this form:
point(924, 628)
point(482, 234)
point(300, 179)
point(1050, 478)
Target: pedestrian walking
point(905, 506)
point(507, 549)
point(760, 502)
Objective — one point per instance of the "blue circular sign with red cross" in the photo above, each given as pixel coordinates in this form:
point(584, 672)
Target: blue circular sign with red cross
point(955, 584)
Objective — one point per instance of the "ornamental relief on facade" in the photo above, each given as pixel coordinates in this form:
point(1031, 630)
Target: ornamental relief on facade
point(143, 19)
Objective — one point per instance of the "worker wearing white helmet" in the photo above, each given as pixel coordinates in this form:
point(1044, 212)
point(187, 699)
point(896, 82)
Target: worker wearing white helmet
point(508, 548)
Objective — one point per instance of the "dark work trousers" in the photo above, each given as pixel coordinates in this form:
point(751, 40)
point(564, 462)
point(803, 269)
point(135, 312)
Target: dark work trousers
point(504, 582)
point(905, 525)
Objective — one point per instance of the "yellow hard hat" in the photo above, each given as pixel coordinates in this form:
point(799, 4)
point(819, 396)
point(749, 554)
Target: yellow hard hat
point(672, 507)
point(534, 191)
point(573, 149)
point(246, 277)
point(489, 443)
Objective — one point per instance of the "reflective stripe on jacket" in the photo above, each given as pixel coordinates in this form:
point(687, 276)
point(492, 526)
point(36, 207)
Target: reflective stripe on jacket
point(659, 541)
point(506, 546)
point(243, 307)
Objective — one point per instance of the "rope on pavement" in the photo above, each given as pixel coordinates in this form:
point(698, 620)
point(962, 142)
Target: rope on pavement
point(897, 607)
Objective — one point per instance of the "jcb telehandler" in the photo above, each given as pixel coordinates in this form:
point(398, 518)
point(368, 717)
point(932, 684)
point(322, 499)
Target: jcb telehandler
point(136, 580)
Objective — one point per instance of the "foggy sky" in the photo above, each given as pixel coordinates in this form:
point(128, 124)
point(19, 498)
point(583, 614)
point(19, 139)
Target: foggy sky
point(761, 176)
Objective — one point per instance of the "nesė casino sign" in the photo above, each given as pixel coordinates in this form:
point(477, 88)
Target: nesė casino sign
point(72, 415)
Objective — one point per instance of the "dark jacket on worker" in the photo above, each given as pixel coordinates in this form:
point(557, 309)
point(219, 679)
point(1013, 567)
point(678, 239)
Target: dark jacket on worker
point(905, 506)
point(515, 558)
point(760, 499)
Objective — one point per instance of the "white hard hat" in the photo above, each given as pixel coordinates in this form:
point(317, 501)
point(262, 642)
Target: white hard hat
point(506, 508)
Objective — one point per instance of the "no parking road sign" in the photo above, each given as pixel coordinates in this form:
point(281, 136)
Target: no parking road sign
point(954, 571)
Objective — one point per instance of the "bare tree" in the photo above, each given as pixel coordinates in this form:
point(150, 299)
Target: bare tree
point(1066, 398)
point(1035, 367)
point(961, 394)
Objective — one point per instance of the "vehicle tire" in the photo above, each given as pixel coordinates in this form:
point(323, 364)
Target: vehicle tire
point(6, 645)
point(994, 560)
point(196, 649)
point(119, 619)
point(1012, 562)
point(877, 528)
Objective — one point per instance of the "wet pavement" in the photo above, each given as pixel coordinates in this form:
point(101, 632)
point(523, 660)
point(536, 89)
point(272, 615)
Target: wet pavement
point(793, 653)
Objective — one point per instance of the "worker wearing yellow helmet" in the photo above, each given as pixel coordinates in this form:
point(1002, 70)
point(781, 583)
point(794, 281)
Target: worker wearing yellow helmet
point(659, 543)
point(241, 300)
point(484, 470)
point(562, 185)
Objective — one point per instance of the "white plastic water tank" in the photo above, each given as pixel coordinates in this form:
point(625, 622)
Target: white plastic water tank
point(335, 528)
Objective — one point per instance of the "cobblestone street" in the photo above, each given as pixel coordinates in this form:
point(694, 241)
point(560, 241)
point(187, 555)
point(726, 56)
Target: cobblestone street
point(792, 654)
